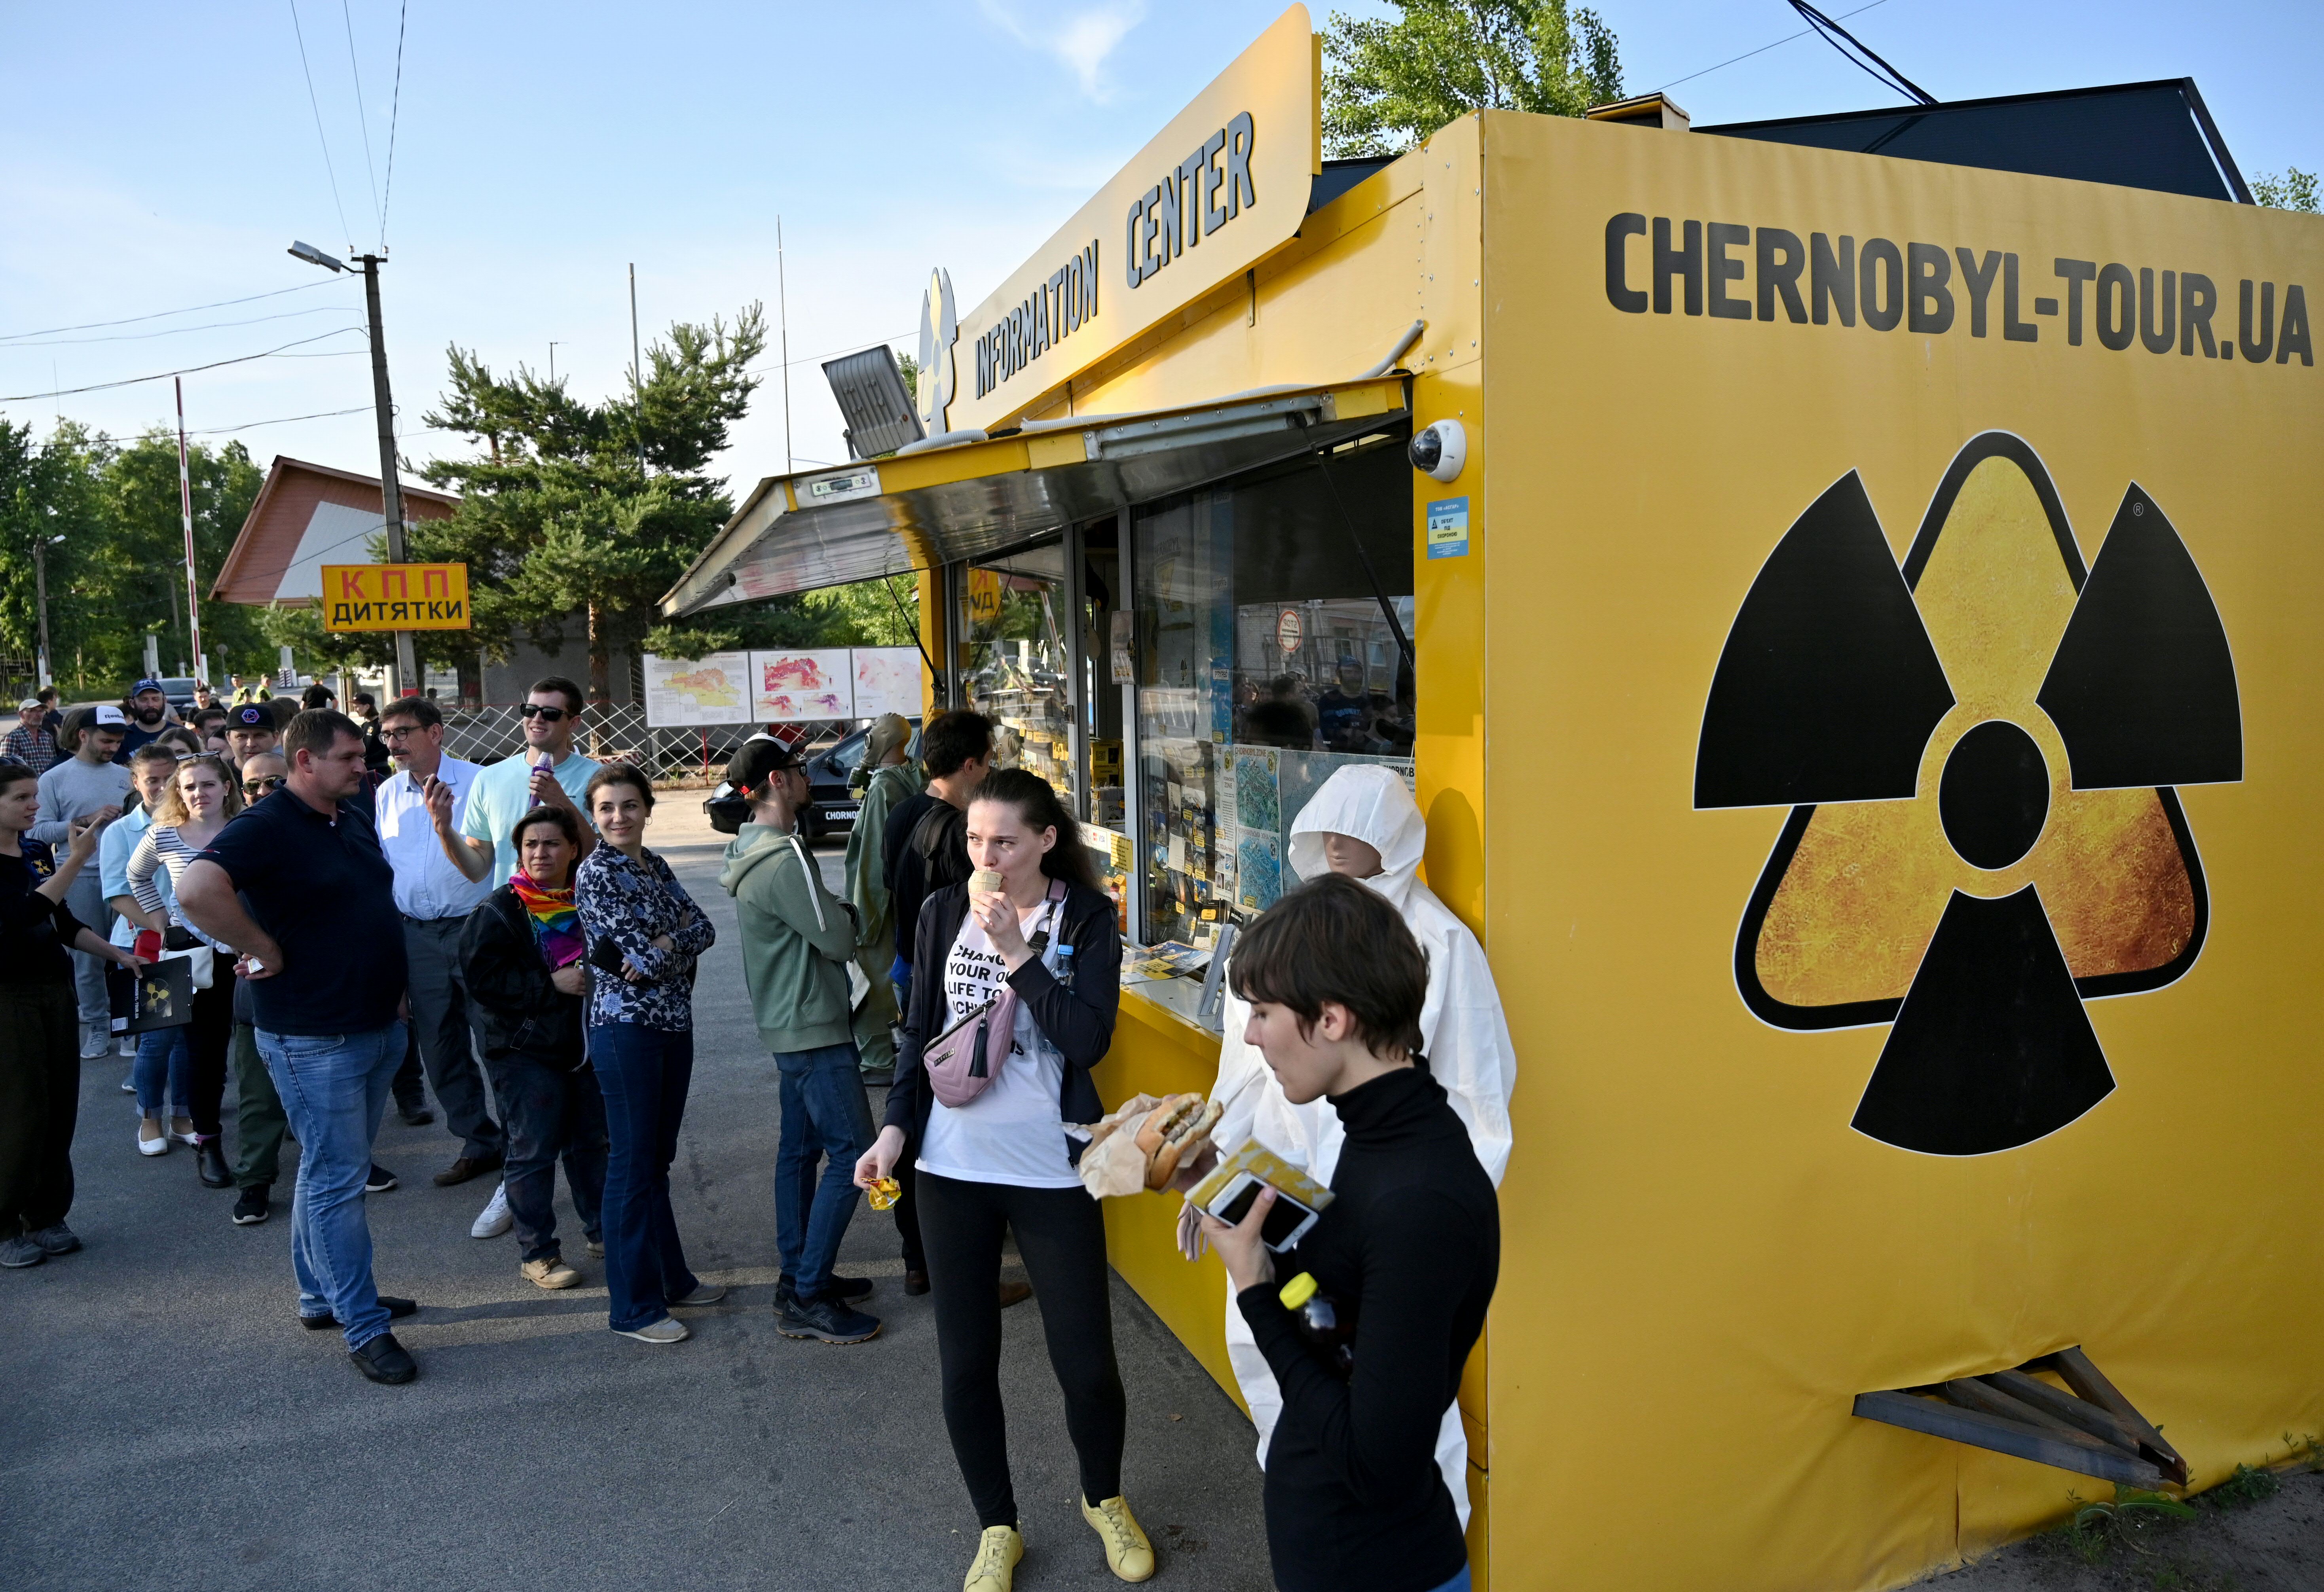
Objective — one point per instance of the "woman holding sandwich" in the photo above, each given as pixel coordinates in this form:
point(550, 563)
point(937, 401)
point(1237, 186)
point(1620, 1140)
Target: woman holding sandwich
point(1033, 919)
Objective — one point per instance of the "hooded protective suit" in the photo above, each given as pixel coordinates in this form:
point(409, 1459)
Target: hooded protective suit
point(1463, 1035)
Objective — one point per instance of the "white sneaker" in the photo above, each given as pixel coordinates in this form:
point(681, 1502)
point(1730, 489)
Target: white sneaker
point(128, 1044)
point(495, 1218)
point(669, 1329)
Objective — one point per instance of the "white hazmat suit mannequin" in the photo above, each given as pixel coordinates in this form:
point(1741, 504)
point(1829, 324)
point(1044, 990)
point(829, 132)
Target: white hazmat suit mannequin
point(1463, 1035)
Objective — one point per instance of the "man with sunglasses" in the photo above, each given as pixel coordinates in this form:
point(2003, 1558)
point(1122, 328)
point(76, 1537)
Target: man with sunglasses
point(433, 896)
point(546, 770)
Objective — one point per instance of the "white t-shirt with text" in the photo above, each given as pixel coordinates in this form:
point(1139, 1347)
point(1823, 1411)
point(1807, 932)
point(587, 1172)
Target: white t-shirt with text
point(1012, 1133)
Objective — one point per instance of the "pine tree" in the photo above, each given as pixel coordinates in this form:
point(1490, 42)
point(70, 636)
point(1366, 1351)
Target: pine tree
point(588, 509)
point(1387, 85)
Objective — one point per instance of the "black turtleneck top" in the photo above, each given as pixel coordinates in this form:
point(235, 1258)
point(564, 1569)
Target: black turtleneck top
point(1413, 1242)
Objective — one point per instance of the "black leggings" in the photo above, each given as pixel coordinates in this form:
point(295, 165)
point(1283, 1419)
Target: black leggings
point(206, 1039)
point(1061, 1235)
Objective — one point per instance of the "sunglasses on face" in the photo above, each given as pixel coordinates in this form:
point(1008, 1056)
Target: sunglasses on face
point(534, 709)
point(262, 787)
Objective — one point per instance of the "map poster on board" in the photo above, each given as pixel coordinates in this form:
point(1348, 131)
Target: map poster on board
point(801, 687)
point(887, 681)
point(711, 690)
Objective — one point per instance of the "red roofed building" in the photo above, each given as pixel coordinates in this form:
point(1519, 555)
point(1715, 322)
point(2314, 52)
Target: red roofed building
point(308, 516)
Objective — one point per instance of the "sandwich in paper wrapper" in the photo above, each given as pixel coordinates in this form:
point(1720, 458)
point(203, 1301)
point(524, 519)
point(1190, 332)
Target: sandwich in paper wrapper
point(1141, 1144)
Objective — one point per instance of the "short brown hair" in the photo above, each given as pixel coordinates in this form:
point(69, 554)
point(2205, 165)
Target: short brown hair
point(614, 774)
point(316, 731)
point(153, 752)
point(573, 701)
point(557, 818)
point(421, 711)
point(1335, 940)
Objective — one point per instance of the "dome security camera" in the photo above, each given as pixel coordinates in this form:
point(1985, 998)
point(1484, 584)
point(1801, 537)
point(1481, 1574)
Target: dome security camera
point(1439, 450)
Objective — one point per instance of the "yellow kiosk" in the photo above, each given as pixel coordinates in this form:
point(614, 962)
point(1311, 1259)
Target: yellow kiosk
point(1852, 626)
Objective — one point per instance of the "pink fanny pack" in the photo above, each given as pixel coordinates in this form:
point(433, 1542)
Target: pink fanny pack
point(965, 1058)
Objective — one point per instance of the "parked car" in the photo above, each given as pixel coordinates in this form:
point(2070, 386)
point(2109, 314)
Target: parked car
point(833, 801)
point(179, 691)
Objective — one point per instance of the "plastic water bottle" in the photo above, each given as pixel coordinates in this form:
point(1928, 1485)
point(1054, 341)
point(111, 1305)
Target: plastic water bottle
point(1318, 1319)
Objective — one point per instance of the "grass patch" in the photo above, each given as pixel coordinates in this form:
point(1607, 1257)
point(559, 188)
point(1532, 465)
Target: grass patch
point(2248, 1486)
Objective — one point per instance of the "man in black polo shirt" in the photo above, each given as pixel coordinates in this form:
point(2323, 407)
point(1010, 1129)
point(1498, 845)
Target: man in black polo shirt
point(315, 923)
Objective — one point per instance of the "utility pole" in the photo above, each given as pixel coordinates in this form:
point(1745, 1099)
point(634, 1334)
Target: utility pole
point(185, 512)
point(405, 679)
point(637, 371)
point(783, 324)
point(40, 590)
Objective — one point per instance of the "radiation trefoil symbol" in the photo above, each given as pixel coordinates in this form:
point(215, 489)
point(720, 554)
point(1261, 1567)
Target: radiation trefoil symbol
point(1980, 752)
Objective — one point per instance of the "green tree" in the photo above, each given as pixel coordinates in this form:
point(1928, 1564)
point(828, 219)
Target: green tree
point(1389, 84)
point(48, 495)
point(2288, 190)
point(883, 612)
point(588, 509)
point(135, 584)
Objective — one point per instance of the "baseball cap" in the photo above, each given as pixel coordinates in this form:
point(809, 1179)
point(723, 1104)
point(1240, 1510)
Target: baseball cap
point(110, 714)
point(143, 685)
point(252, 716)
point(31, 705)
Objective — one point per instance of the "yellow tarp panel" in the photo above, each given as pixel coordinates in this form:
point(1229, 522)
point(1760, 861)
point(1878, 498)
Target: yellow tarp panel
point(1705, 1258)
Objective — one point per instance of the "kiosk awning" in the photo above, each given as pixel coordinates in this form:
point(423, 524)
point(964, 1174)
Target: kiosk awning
point(918, 511)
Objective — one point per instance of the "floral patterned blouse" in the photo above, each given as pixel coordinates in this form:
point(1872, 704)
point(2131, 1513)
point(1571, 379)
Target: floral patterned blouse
point(630, 901)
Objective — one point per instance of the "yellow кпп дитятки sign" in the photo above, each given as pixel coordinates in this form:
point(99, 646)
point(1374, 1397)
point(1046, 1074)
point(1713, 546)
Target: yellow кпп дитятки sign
point(396, 597)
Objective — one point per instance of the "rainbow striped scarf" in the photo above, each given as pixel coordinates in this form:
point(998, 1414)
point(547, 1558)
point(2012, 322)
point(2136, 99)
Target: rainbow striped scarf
point(555, 925)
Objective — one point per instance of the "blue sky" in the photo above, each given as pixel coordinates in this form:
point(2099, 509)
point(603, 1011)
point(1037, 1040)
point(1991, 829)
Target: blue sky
point(154, 157)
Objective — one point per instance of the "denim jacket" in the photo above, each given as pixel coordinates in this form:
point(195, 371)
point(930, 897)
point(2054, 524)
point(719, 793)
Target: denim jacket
point(629, 902)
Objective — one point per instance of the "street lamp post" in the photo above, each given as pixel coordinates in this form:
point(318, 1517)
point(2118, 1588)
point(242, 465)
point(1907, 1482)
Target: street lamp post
point(405, 677)
point(40, 544)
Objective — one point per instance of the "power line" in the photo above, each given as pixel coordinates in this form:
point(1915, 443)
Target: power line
point(186, 371)
point(317, 105)
point(361, 408)
point(1763, 49)
point(1861, 54)
point(165, 314)
point(394, 110)
point(363, 121)
point(207, 326)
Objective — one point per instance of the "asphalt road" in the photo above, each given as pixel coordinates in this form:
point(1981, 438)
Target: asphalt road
point(165, 1422)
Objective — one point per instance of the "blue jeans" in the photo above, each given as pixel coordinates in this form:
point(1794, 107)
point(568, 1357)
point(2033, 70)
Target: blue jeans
point(549, 1109)
point(163, 1052)
point(333, 1089)
point(824, 1114)
point(1459, 1583)
point(644, 1074)
point(900, 976)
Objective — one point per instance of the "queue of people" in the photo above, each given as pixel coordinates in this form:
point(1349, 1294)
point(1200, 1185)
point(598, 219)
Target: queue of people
point(537, 958)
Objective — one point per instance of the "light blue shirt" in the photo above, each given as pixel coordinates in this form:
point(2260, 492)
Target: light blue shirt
point(427, 884)
point(113, 848)
point(503, 793)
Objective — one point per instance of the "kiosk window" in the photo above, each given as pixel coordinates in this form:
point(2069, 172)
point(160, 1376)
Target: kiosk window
point(1264, 662)
point(1015, 665)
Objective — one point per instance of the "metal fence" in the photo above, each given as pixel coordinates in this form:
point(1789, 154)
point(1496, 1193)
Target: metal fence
point(614, 731)
point(610, 732)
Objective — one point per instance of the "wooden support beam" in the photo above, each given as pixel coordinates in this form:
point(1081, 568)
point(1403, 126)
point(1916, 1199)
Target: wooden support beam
point(1938, 1417)
point(1976, 1392)
point(2087, 1380)
point(2065, 1406)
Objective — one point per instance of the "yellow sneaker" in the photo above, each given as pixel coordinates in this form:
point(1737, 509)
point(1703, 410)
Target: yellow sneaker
point(996, 1553)
point(1128, 1553)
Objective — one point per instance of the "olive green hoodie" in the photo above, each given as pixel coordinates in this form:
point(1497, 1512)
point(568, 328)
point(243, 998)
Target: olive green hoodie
point(889, 785)
point(798, 938)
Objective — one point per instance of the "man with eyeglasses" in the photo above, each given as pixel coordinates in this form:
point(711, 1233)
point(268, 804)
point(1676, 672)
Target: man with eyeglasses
point(548, 770)
point(434, 896)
